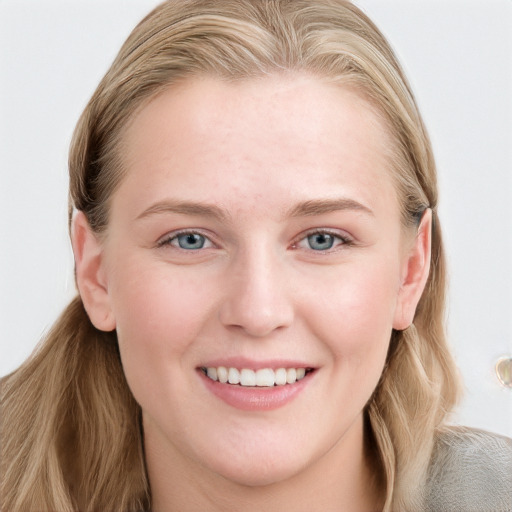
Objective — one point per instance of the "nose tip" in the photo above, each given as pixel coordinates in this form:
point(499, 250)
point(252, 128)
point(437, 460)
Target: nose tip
point(257, 301)
point(256, 322)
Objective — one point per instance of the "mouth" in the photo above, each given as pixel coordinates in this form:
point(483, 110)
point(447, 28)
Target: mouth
point(262, 378)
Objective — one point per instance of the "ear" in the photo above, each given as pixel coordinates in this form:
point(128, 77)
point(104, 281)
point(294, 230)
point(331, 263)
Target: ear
point(415, 270)
point(90, 274)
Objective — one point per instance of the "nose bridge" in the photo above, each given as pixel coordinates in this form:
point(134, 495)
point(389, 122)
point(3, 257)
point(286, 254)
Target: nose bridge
point(257, 299)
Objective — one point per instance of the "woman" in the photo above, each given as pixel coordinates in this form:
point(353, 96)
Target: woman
point(261, 282)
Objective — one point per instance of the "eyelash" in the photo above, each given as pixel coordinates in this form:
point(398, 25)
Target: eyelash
point(168, 239)
point(344, 240)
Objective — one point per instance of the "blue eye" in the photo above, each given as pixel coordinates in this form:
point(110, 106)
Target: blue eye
point(321, 241)
point(189, 241)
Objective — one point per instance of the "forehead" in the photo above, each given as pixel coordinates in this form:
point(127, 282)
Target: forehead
point(294, 133)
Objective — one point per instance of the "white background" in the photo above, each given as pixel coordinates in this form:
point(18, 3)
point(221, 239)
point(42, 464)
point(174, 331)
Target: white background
point(458, 56)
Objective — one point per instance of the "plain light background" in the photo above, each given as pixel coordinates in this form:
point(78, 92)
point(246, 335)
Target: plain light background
point(458, 56)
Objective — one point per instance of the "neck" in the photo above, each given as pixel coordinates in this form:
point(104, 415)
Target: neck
point(345, 478)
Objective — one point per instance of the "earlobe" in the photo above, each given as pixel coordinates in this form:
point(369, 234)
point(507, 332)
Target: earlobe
point(90, 276)
point(415, 273)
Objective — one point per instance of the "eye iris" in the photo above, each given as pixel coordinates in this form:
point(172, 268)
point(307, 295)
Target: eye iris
point(191, 241)
point(320, 241)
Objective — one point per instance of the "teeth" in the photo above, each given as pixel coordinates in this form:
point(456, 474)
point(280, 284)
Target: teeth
point(247, 378)
point(222, 374)
point(233, 376)
point(212, 373)
point(291, 375)
point(280, 376)
point(266, 377)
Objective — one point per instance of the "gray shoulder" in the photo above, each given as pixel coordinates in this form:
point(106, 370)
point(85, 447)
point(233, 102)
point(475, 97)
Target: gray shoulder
point(471, 470)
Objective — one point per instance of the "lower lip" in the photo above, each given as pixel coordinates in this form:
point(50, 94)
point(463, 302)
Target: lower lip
point(255, 398)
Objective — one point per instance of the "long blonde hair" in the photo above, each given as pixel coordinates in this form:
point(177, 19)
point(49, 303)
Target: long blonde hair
point(71, 431)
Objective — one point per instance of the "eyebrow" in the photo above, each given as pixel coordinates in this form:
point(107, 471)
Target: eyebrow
point(308, 208)
point(185, 208)
point(322, 206)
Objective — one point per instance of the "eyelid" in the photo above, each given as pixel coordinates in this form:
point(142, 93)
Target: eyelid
point(167, 238)
point(345, 238)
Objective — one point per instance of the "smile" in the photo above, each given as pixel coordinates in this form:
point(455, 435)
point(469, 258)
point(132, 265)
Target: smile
point(264, 377)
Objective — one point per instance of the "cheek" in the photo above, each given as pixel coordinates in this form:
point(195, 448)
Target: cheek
point(155, 305)
point(159, 315)
point(355, 322)
point(359, 307)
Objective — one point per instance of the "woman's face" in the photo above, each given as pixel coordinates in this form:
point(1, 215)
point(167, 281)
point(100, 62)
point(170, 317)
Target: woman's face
point(257, 228)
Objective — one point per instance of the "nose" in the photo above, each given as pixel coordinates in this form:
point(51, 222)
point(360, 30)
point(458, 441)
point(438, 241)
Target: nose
point(257, 299)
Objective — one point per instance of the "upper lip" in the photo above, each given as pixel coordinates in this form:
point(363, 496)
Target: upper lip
point(251, 364)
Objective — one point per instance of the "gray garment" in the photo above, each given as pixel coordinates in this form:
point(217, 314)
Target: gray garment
point(471, 471)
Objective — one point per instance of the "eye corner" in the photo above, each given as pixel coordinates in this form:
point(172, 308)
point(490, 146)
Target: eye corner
point(187, 240)
point(327, 241)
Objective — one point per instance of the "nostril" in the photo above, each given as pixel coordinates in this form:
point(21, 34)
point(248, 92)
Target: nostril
point(257, 298)
point(256, 321)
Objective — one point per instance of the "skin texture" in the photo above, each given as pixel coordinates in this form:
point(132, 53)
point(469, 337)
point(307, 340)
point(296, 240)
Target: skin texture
point(265, 159)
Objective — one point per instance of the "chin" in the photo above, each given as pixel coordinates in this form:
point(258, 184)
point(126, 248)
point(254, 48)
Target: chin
point(260, 470)
point(261, 476)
